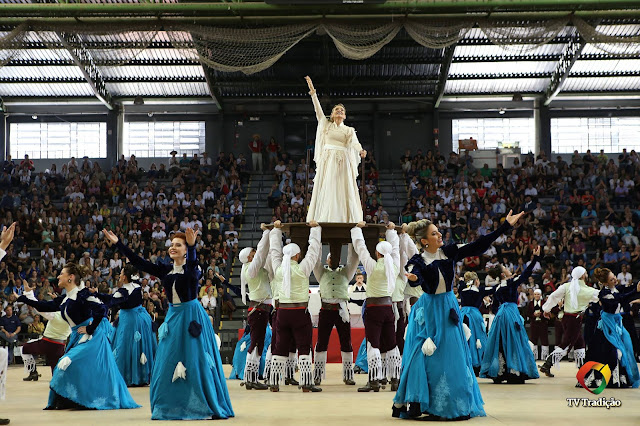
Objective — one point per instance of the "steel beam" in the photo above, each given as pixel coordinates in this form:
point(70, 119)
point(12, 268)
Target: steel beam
point(90, 71)
point(447, 58)
point(569, 57)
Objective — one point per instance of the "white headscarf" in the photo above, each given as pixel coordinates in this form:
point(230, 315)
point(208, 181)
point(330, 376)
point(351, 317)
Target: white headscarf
point(287, 252)
point(244, 258)
point(385, 248)
point(537, 291)
point(574, 285)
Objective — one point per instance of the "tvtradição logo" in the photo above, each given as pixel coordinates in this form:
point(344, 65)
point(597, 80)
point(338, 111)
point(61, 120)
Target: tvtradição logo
point(601, 368)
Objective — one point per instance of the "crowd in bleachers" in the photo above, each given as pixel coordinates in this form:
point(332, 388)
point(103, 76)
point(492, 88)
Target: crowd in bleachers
point(60, 215)
point(581, 212)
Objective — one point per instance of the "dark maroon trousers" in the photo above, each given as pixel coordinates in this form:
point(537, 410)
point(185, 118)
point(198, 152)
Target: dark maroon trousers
point(401, 324)
point(329, 318)
point(379, 327)
point(53, 351)
point(293, 325)
point(258, 320)
point(539, 331)
point(572, 331)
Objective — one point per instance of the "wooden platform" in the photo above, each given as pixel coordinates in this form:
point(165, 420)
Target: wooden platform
point(541, 402)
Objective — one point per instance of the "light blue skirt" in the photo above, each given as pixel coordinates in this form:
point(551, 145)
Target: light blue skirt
point(444, 383)
point(508, 335)
point(478, 333)
point(134, 346)
point(87, 374)
point(618, 336)
point(240, 354)
point(187, 381)
point(361, 359)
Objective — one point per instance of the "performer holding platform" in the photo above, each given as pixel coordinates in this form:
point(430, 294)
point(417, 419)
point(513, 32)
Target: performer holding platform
point(471, 298)
point(337, 156)
point(87, 376)
point(256, 278)
point(611, 343)
point(334, 293)
point(577, 296)
point(293, 321)
point(538, 325)
point(437, 373)
point(508, 355)
point(379, 321)
point(187, 381)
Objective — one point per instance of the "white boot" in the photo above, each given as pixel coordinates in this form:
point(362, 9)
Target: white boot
point(544, 353)
point(267, 364)
point(278, 366)
point(347, 368)
point(319, 367)
point(535, 351)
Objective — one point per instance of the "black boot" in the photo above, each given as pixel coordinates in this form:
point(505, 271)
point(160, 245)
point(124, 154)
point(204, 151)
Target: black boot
point(310, 388)
point(397, 411)
point(546, 367)
point(256, 386)
point(291, 381)
point(4, 421)
point(394, 384)
point(372, 385)
point(33, 376)
point(349, 382)
point(317, 382)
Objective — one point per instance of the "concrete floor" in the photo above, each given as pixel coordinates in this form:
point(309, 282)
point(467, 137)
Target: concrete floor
point(541, 402)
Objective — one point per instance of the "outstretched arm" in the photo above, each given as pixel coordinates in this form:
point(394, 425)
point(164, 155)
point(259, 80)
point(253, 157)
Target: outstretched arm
point(352, 262)
point(275, 246)
point(318, 269)
point(525, 274)
point(392, 238)
point(313, 251)
point(261, 255)
point(42, 306)
point(144, 265)
point(555, 298)
point(316, 103)
point(361, 249)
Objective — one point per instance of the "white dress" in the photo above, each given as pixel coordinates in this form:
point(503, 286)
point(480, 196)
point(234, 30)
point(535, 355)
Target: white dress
point(335, 196)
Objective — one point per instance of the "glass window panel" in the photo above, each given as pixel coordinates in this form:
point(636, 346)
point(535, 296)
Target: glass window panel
point(58, 140)
point(490, 132)
point(158, 139)
point(612, 134)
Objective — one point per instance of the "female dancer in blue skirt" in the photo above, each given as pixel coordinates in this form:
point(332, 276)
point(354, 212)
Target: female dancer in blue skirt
point(87, 375)
point(508, 355)
point(134, 344)
point(187, 381)
point(471, 298)
point(437, 375)
point(610, 343)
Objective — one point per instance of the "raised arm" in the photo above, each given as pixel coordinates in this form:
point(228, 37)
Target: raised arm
point(313, 251)
point(142, 264)
point(275, 247)
point(352, 263)
point(409, 246)
point(361, 249)
point(316, 103)
point(477, 247)
point(525, 274)
point(555, 298)
point(392, 238)
point(260, 257)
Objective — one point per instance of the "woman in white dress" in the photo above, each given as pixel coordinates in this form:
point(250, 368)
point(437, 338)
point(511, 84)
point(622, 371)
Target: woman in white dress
point(335, 196)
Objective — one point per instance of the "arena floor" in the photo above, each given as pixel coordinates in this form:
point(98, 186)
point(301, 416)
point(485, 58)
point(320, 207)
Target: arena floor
point(537, 402)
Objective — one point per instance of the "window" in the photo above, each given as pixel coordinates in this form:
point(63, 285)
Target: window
point(158, 139)
point(58, 140)
point(611, 134)
point(489, 132)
